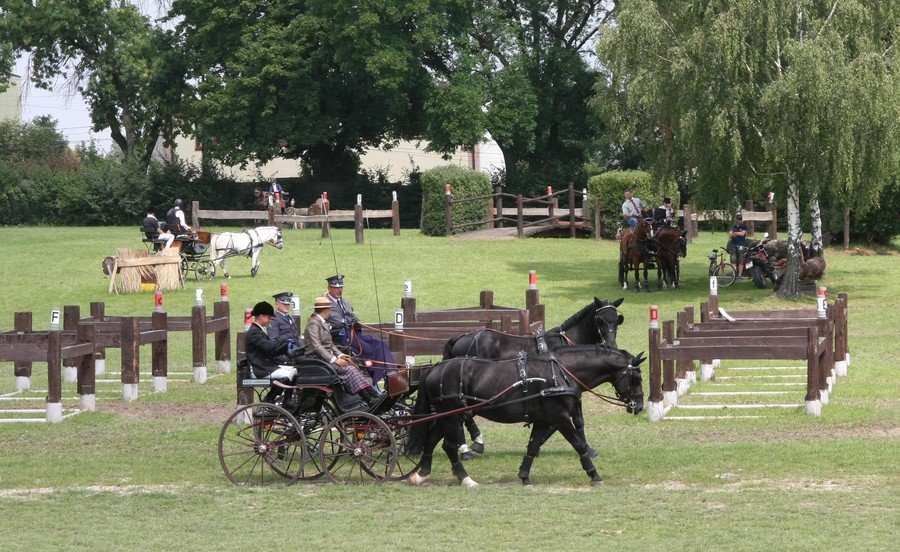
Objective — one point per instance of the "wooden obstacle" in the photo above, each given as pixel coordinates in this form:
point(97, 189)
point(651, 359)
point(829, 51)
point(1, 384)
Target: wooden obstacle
point(358, 215)
point(818, 336)
point(692, 216)
point(499, 216)
point(129, 265)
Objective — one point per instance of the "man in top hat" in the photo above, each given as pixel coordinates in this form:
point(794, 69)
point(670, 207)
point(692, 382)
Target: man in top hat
point(263, 351)
point(347, 331)
point(283, 324)
point(738, 244)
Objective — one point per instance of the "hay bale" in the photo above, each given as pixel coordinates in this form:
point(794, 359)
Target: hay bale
point(168, 276)
point(131, 275)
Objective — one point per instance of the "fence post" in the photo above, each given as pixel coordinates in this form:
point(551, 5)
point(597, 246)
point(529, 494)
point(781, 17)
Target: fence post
point(54, 377)
point(690, 372)
point(87, 380)
point(773, 223)
point(813, 404)
point(131, 358)
point(22, 323)
point(681, 381)
point(326, 207)
point(841, 349)
point(195, 215)
point(520, 223)
point(498, 206)
point(748, 207)
point(71, 316)
point(571, 209)
point(670, 391)
point(198, 342)
point(98, 313)
point(655, 408)
point(448, 210)
point(222, 342)
point(598, 219)
point(358, 220)
point(395, 214)
point(408, 304)
point(159, 354)
point(486, 299)
point(244, 395)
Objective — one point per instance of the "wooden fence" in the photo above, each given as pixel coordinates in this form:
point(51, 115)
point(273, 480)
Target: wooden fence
point(692, 216)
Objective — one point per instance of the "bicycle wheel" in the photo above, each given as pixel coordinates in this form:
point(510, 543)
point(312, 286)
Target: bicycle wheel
point(724, 274)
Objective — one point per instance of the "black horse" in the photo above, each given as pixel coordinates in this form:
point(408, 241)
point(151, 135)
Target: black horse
point(596, 323)
point(542, 390)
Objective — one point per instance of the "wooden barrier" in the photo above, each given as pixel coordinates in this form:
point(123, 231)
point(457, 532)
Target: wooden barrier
point(692, 216)
point(818, 336)
point(358, 215)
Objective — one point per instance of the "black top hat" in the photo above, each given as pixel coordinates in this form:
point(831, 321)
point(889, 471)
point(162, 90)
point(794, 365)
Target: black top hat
point(263, 307)
point(335, 281)
point(667, 200)
point(283, 297)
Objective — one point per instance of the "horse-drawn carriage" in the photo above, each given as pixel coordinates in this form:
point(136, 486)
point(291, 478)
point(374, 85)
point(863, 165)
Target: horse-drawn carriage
point(655, 244)
point(330, 432)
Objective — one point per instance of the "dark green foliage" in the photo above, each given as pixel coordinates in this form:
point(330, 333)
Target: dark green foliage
point(610, 188)
point(465, 183)
point(879, 224)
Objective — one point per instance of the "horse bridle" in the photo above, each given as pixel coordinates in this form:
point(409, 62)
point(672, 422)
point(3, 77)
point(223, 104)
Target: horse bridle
point(632, 372)
point(597, 317)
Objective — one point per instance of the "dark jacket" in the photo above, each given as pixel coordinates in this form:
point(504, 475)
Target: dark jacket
point(173, 223)
point(150, 227)
point(262, 350)
point(283, 326)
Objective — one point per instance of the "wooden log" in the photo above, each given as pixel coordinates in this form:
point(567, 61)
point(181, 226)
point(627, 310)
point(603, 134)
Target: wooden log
point(773, 224)
point(571, 209)
point(54, 368)
point(131, 353)
point(395, 216)
point(71, 316)
point(408, 304)
point(486, 299)
point(222, 342)
point(22, 322)
point(598, 219)
point(668, 330)
point(198, 342)
point(520, 221)
point(87, 381)
point(358, 223)
point(812, 365)
point(159, 350)
point(656, 394)
point(448, 213)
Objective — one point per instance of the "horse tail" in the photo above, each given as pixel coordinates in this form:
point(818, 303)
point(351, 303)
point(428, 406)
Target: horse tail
point(418, 433)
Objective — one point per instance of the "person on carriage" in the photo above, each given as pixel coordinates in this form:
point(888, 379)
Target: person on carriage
point(284, 326)
point(155, 230)
point(320, 344)
point(264, 352)
point(662, 215)
point(176, 222)
point(632, 210)
point(737, 244)
point(346, 331)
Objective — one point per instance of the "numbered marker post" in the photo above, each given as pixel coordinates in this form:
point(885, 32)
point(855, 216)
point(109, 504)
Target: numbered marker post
point(713, 285)
point(407, 288)
point(398, 320)
point(532, 279)
point(54, 318)
point(223, 293)
point(821, 298)
point(295, 305)
point(157, 301)
point(248, 318)
point(654, 317)
point(198, 296)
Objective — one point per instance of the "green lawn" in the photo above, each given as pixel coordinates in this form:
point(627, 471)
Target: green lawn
point(146, 475)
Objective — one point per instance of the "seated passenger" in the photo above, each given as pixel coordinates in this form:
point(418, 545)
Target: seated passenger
point(319, 344)
point(347, 332)
point(176, 222)
point(283, 326)
point(156, 230)
point(263, 350)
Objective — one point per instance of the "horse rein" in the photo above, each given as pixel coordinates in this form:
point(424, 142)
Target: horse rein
point(617, 400)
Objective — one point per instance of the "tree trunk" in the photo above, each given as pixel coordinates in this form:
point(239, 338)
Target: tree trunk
point(510, 159)
point(790, 280)
point(815, 216)
point(846, 228)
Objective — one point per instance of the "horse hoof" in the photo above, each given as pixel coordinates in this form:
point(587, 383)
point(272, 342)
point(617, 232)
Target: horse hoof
point(597, 483)
point(468, 455)
point(416, 479)
point(477, 448)
point(526, 481)
point(468, 482)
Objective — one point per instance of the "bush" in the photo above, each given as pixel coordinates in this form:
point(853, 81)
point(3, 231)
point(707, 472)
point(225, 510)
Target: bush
point(465, 183)
point(610, 188)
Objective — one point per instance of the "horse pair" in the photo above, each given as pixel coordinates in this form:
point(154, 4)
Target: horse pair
point(249, 242)
point(669, 244)
point(541, 385)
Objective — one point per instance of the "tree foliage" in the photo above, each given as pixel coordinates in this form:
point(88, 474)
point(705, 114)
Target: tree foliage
point(801, 95)
point(313, 80)
point(129, 70)
point(465, 183)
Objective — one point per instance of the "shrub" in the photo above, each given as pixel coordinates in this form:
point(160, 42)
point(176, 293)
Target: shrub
point(465, 183)
point(610, 188)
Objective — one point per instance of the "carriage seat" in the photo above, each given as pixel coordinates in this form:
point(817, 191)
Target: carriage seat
point(152, 243)
point(310, 371)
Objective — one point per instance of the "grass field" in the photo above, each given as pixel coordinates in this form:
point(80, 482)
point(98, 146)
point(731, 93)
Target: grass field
point(145, 475)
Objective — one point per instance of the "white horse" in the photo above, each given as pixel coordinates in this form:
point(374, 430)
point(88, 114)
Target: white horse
point(249, 243)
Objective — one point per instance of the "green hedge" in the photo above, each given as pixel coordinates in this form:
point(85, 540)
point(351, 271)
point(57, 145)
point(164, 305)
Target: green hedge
point(610, 188)
point(466, 183)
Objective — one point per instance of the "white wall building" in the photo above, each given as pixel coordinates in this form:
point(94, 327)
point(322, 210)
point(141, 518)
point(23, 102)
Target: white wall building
point(11, 100)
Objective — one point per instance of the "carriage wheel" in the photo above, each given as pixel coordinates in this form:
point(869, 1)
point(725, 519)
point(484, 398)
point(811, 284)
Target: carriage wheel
point(185, 266)
point(261, 445)
point(407, 464)
point(724, 274)
point(313, 425)
point(203, 271)
point(357, 446)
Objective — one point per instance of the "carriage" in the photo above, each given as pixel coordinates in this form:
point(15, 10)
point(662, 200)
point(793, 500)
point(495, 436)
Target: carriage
point(195, 259)
point(669, 245)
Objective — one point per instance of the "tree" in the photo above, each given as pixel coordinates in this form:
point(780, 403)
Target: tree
point(754, 93)
point(314, 80)
point(129, 70)
point(519, 70)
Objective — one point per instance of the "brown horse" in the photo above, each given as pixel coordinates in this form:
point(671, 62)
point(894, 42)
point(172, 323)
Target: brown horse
point(669, 247)
point(633, 254)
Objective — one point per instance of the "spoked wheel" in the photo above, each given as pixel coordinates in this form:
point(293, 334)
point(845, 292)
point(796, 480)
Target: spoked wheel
point(260, 444)
point(203, 271)
point(407, 464)
point(313, 425)
point(185, 267)
point(357, 446)
point(724, 274)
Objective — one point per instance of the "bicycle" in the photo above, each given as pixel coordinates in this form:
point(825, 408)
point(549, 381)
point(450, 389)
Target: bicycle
point(719, 267)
